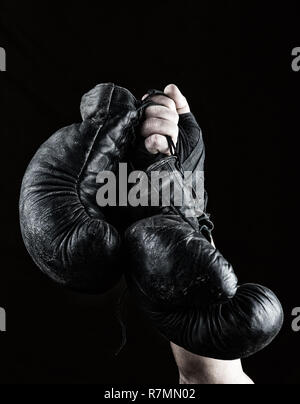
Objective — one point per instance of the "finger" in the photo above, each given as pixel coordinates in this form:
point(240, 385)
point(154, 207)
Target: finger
point(180, 101)
point(157, 111)
point(157, 144)
point(153, 126)
point(145, 96)
point(164, 101)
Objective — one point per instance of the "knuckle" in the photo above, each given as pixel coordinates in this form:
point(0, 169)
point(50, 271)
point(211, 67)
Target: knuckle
point(171, 104)
point(175, 117)
point(148, 144)
point(156, 141)
point(152, 142)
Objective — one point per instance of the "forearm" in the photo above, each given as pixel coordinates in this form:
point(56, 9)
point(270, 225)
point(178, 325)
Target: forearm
point(195, 369)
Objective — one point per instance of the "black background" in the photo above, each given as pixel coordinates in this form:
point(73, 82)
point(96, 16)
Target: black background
point(232, 60)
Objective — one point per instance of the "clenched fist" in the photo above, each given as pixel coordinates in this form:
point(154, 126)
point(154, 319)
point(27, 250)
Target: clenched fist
point(162, 120)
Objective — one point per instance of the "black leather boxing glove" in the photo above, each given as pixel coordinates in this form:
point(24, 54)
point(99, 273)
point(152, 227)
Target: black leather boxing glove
point(66, 233)
point(183, 283)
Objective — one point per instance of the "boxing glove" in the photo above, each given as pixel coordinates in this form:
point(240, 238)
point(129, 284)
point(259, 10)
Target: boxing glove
point(182, 282)
point(64, 230)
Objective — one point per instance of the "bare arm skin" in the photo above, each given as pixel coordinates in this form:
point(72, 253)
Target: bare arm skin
point(194, 369)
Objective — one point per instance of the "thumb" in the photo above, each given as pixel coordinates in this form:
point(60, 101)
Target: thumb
point(173, 92)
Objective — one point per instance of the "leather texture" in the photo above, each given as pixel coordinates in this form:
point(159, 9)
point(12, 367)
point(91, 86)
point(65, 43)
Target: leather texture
point(184, 284)
point(64, 230)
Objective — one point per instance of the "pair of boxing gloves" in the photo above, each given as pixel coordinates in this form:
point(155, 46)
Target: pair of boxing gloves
point(178, 278)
